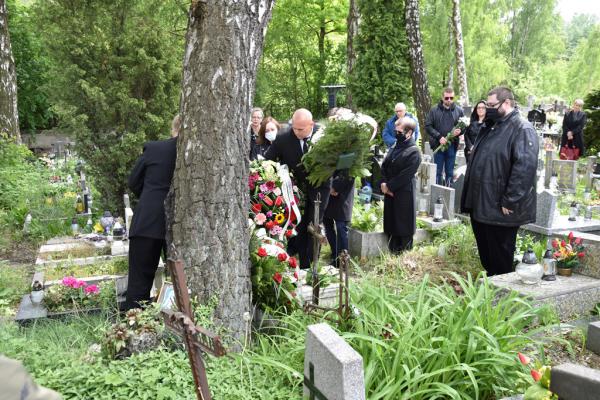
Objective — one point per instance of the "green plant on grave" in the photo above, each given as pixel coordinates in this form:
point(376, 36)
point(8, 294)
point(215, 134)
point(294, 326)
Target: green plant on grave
point(540, 388)
point(116, 266)
point(75, 294)
point(459, 244)
point(367, 218)
point(137, 321)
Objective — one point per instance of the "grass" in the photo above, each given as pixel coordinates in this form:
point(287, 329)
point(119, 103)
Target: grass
point(14, 283)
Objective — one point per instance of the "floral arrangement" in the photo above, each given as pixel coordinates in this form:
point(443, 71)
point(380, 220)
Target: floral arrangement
point(274, 200)
point(540, 389)
point(462, 123)
point(73, 293)
point(137, 322)
point(568, 254)
point(273, 275)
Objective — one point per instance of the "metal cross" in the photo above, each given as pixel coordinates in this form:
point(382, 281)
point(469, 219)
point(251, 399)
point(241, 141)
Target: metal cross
point(314, 393)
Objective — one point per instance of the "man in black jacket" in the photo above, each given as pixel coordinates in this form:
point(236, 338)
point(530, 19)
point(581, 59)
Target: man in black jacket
point(440, 121)
point(500, 183)
point(150, 180)
point(288, 148)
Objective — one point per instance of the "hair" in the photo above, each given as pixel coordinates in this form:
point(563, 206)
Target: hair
point(503, 93)
point(258, 110)
point(579, 102)
point(409, 123)
point(448, 89)
point(176, 125)
point(474, 116)
point(260, 139)
point(402, 105)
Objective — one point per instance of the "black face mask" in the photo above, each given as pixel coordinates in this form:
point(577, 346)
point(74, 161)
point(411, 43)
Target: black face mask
point(401, 135)
point(492, 114)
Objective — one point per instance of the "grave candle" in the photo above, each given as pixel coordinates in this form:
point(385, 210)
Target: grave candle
point(549, 264)
point(573, 211)
point(438, 211)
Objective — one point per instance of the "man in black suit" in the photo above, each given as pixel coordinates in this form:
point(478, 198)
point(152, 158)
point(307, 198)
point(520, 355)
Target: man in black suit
point(150, 180)
point(288, 148)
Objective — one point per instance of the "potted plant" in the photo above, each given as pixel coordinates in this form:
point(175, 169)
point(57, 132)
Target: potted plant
point(37, 292)
point(568, 254)
point(366, 237)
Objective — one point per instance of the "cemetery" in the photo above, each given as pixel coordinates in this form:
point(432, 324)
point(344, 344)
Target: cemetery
point(251, 298)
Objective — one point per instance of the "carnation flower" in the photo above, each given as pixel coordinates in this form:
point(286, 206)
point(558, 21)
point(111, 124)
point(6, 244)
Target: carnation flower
point(69, 281)
point(264, 188)
point(270, 185)
point(292, 262)
point(260, 219)
point(92, 289)
point(275, 230)
point(282, 256)
point(277, 277)
point(261, 252)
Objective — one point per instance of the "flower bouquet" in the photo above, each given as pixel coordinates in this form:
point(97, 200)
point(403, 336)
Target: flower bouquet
point(540, 389)
point(272, 277)
point(73, 293)
point(274, 200)
point(568, 254)
point(462, 123)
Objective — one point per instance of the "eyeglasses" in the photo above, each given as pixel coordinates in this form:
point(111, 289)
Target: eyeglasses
point(497, 104)
point(448, 97)
point(481, 107)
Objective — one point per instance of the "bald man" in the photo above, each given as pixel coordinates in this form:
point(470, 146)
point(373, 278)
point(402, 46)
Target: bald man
point(288, 148)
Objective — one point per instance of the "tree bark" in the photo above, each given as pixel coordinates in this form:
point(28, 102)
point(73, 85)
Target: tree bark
point(9, 113)
point(450, 80)
point(207, 208)
point(418, 72)
point(352, 22)
point(460, 53)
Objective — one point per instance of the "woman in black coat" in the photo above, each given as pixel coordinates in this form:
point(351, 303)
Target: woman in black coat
point(338, 213)
point(398, 184)
point(477, 118)
point(572, 127)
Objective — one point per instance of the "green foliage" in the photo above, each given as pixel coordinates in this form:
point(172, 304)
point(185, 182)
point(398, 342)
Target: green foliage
point(272, 288)
point(14, 283)
point(118, 266)
point(367, 219)
point(62, 297)
point(592, 128)
point(339, 138)
point(114, 81)
point(381, 75)
point(459, 245)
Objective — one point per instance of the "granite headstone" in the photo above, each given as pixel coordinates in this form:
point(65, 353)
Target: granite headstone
point(447, 194)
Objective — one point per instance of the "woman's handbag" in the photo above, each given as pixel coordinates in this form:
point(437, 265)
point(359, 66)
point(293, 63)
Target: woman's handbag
point(568, 153)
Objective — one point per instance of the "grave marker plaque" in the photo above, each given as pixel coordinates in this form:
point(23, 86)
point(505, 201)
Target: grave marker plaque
point(566, 171)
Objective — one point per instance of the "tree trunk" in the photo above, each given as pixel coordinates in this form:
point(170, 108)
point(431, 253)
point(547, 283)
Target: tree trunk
point(352, 22)
point(460, 53)
point(450, 81)
point(207, 208)
point(418, 73)
point(9, 114)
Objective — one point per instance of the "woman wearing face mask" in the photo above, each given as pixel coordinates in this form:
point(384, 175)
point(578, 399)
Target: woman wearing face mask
point(266, 135)
point(572, 127)
point(398, 185)
point(477, 118)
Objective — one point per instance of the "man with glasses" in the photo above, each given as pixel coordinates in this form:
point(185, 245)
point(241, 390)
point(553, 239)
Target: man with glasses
point(500, 183)
point(288, 148)
point(440, 121)
point(389, 132)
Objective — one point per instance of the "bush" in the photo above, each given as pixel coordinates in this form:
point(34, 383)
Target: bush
point(591, 132)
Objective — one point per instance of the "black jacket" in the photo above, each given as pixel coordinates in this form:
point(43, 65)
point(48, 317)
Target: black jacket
point(471, 135)
point(502, 173)
point(440, 121)
point(398, 170)
point(340, 206)
point(150, 180)
point(574, 122)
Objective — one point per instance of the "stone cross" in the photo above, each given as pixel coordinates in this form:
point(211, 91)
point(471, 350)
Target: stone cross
point(197, 339)
point(333, 370)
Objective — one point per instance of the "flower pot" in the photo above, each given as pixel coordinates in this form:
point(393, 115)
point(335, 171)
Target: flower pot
point(564, 271)
point(36, 296)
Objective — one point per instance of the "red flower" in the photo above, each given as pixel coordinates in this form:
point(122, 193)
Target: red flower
point(268, 201)
point(556, 254)
point(277, 277)
point(261, 252)
point(270, 185)
point(282, 257)
point(278, 201)
point(578, 241)
point(580, 254)
point(524, 359)
point(570, 236)
point(535, 374)
point(269, 225)
point(554, 243)
point(563, 243)
point(288, 233)
point(256, 207)
point(293, 262)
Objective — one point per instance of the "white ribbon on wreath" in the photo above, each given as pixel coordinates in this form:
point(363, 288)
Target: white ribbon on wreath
point(287, 191)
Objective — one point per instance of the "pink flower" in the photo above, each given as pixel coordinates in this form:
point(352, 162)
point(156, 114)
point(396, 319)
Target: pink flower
point(270, 185)
point(79, 284)
point(92, 289)
point(264, 188)
point(524, 359)
point(69, 281)
point(261, 196)
point(260, 219)
point(275, 230)
point(277, 192)
point(269, 214)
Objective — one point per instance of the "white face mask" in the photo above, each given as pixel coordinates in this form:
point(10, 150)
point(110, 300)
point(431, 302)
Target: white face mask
point(271, 135)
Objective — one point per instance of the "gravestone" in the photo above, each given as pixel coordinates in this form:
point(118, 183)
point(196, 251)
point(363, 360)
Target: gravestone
point(548, 168)
point(589, 172)
point(428, 150)
point(447, 194)
point(567, 174)
point(332, 369)
point(461, 159)
point(575, 382)
point(593, 337)
point(458, 185)
point(545, 208)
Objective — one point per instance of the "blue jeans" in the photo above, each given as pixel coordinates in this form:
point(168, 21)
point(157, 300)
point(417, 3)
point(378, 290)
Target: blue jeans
point(444, 160)
point(337, 236)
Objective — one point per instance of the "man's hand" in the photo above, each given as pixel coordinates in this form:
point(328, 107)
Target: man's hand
point(570, 135)
point(333, 192)
point(385, 190)
point(506, 211)
point(456, 132)
point(443, 140)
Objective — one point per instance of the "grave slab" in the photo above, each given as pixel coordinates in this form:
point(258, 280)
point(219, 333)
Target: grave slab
point(331, 366)
point(562, 223)
point(575, 382)
point(432, 225)
point(366, 244)
point(447, 194)
point(574, 295)
point(592, 342)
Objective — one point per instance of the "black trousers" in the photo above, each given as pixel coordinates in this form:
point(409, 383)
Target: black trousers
point(398, 244)
point(144, 255)
point(496, 245)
